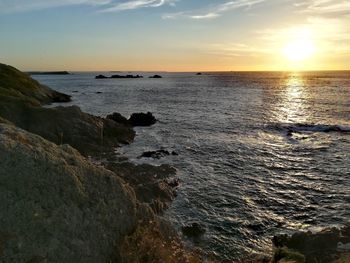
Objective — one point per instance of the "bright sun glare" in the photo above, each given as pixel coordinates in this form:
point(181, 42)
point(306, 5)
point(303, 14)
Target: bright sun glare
point(299, 49)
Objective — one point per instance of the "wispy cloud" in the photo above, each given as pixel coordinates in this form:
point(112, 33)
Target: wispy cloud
point(135, 4)
point(13, 6)
point(325, 7)
point(214, 10)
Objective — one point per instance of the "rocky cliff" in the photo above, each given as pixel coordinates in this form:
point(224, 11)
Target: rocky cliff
point(58, 206)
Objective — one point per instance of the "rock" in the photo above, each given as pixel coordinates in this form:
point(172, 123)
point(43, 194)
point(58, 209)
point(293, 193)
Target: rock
point(101, 77)
point(126, 77)
point(157, 154)
point(142, 119)
point(199, 73)
point(59, 207)
point(193, 230)
point(20, 103)
point(317, 247)
point(20, 88)
point(152, 184)
point(49, 73)
point(117, 117)
point(69, 125)
point(155, 77)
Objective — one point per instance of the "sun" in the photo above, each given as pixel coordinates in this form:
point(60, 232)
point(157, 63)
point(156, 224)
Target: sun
point(299, 49)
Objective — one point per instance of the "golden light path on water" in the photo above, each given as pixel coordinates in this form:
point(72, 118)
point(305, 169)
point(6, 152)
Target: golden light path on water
point(293, 103)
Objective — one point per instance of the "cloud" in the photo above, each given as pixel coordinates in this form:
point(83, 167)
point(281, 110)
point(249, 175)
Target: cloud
point(325, 7)
point(14, 6)
point(135, 4)
point(214, 10)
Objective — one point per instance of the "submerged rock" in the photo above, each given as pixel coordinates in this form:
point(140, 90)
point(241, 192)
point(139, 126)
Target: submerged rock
point(157, 154)
point(193, 230)
point(142, 119)
point(59, 207)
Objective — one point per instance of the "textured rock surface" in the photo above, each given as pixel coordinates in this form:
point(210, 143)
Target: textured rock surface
point(56, 206)
point(16, 84)
point(153, 185)
point(70, 125)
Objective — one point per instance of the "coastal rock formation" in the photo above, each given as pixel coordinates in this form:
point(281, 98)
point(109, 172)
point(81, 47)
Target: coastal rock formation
point(142, 119)
point(325, 246)
point(101, 77)
point(16, 86)
point(59, 207)
point(126, 76)
point(193, 230)
point(153, 185)
point(70, 125)
point(20, 103)
point(157, 154)
point(119, 77)
point(155, 77)
point(49, 73)
point(117, 117)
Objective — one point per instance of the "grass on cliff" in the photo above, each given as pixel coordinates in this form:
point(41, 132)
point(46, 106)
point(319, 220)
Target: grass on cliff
point(16, 84)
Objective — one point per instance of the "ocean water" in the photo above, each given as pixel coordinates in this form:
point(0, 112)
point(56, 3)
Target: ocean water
point(259, 153)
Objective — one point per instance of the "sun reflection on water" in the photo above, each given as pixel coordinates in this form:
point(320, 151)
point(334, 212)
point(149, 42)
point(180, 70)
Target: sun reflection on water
point(293, 101)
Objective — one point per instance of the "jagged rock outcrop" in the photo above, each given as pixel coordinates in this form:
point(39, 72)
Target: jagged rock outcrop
point(142, 119)
point(153, 185)
point(56, 206)
point(325, 246)
point(20, 102)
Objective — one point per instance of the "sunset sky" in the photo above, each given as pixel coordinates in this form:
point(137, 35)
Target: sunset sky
point(175, 35)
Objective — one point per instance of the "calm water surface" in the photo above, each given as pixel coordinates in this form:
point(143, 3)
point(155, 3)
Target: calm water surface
point(259, 153)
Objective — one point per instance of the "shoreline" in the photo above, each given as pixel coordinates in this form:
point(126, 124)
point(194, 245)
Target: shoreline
point(93, 137)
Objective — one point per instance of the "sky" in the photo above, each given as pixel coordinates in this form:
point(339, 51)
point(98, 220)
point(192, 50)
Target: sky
point(175, 35)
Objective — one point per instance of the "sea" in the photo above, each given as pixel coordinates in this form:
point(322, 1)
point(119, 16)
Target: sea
point(259, 153)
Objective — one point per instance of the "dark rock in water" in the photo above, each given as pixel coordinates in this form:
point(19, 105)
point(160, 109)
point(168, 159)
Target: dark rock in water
point(193, 230)
point(317, 247)
point(142, 119)
point(98, 92)
point(157, 154)
point(126, 76)
point(101, 77)
point(199, 73)
point(117, 117)
point(49, 73)
point(156, 77)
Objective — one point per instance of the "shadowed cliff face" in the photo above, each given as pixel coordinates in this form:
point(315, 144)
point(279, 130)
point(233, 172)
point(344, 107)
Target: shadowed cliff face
point(59, 207)
point(21, 98)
